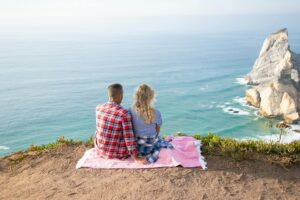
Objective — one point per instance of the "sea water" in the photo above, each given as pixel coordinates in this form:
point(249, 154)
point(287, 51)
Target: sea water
point(50, 84)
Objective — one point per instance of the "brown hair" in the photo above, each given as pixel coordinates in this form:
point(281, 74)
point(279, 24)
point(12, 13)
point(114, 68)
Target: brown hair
point(114, 90)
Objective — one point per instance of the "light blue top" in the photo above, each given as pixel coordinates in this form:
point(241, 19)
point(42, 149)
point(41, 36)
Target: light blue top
point(141, 128)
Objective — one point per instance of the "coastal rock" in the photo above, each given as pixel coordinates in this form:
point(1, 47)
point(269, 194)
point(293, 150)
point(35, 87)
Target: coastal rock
point(282, 125)
point(270, 101)
point(253, 97)
point(275, 79)
point(288, 104)
point(291, 118)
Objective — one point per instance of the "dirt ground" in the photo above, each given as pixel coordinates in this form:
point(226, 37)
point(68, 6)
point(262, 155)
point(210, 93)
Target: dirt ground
point(52, 175)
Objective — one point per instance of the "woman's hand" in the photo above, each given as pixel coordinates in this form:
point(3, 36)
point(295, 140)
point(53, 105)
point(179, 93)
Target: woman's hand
point(140, 160)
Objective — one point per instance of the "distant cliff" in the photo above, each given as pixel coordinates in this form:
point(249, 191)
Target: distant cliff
point(275, 79)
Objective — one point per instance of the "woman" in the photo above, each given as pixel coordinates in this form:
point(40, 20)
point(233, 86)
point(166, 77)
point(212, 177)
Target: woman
point(146, 124)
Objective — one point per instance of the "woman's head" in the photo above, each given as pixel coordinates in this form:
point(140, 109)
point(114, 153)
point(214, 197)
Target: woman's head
point(143, 103)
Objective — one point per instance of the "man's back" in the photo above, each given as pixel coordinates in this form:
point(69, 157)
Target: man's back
point(114, 137)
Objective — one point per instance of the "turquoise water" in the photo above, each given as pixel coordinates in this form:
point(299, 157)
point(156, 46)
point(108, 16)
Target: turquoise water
point(50, 84)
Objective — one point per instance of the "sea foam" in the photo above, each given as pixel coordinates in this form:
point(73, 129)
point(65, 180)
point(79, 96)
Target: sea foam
point(286, 138)
point(241, 81)
point(235, 111)
point(292, 134)
point(4, 148)
point(242, 101)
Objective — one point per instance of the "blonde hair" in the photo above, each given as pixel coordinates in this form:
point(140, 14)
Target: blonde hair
point(143, 103)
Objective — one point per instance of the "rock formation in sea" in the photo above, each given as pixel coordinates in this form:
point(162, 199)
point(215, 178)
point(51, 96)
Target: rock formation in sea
point(275, 79)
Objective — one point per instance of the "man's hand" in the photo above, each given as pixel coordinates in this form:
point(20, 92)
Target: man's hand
point(140, 160)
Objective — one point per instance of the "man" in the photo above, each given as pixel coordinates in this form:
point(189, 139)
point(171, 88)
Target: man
point(114, 137)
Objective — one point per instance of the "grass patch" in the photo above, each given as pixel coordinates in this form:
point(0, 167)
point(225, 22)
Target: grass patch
point(20, 155)
point(212, 144)
point(17, 157)
point(89, 141)
point(59, 142)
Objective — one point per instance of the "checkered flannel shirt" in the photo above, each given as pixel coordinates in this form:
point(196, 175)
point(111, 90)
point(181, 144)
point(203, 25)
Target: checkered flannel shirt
point(114, 137)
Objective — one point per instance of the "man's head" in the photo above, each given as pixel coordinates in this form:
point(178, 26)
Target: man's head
point(115, 92)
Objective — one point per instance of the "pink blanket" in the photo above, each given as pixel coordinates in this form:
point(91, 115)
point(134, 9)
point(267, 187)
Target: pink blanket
point(186, 153)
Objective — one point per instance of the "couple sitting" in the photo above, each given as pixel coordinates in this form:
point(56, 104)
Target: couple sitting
point(122, 133)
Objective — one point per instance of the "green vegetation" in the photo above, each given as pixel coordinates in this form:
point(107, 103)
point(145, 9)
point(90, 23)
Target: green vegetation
point(19, 156)
point(60, 141)
point(212, 144)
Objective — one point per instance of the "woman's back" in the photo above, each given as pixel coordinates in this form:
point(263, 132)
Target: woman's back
point(145, 129)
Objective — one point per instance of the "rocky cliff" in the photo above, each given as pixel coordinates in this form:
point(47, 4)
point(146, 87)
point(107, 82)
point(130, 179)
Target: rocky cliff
point(275, 79)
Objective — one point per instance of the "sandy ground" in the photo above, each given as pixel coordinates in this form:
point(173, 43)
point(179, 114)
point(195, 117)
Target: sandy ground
point(52, 175)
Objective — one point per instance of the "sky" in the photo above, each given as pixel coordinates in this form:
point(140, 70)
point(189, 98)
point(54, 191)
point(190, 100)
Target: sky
point(123, 15)
point(116, 8)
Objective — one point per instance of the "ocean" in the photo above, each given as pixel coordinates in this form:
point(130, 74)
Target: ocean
point(51, 83)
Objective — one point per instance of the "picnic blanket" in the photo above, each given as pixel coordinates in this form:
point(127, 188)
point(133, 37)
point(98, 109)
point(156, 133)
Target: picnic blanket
point(186, 153)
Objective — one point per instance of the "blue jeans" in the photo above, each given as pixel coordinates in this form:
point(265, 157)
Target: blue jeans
point(149, 147)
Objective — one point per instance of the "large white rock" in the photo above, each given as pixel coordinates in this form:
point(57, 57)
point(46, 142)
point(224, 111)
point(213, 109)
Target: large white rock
point(270, 101)
point(253, 97)
point(291, 118)
point(288, 105)
point(275, 80)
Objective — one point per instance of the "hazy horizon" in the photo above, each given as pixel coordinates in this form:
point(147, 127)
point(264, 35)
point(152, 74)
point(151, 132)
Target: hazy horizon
point(123, 8)
point(264, 24)
point(147, 17)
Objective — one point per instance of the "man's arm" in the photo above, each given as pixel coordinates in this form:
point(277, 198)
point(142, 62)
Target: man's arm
point(97, 126)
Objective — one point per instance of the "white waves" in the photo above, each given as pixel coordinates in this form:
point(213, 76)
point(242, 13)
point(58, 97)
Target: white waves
point(4, 148)
point(235, 111)
point(241, 81)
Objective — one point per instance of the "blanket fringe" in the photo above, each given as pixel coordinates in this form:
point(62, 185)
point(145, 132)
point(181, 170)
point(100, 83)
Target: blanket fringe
point(202, 161)
point(82, 160)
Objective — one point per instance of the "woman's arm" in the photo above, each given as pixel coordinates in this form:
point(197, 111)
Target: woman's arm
point(157, 128)
point(158, 121)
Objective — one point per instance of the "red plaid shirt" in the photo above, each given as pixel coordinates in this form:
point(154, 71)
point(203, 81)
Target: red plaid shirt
point(114, 137)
